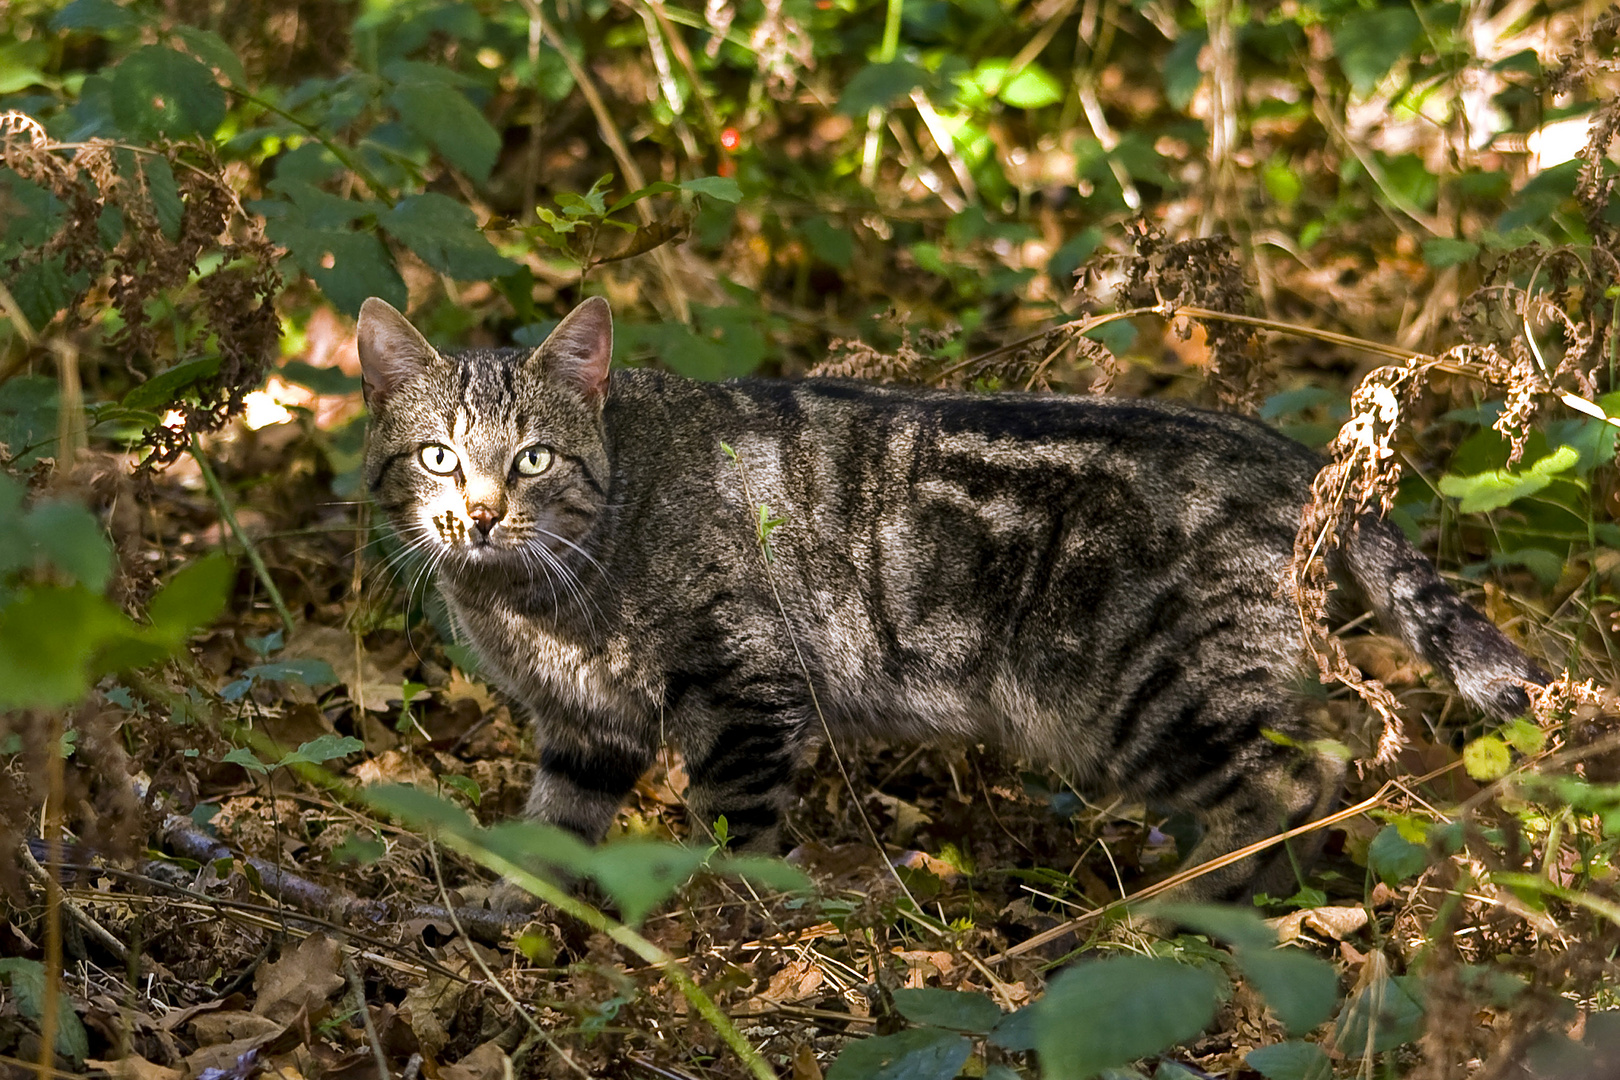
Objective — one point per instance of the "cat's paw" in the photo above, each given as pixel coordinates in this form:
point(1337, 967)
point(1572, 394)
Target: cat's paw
point(510, 898)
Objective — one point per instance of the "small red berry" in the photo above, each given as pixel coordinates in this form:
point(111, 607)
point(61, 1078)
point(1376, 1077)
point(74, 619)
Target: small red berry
point(730, 139)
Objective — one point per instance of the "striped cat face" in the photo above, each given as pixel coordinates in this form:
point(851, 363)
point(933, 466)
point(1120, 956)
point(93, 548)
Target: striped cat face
point(491, 458)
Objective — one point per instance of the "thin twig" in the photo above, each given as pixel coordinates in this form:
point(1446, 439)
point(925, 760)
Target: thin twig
point(242, 538)
point(359, 990)
point(102, 935)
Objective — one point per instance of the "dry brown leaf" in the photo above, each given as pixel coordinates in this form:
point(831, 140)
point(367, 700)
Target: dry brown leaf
point(486, 1062)
point(211, 1029)
point(1337, 923)
point(133, 1067)
point(805, 1065)
point(305, 977)
point(797, 981)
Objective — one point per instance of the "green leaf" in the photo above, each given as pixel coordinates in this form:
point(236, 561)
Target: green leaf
point(876, 86)
point(213, 50)
point(829, 243)
point(167, 206)
point(27, 979)
point(1016, 1031)
point(1231, 924)
point(1524, 736)
point(322, 380)
point(640, 874)
point(1108, 1013)
point(722, 188)
point(1499, 487)
point(1369, 43)
point(247, 759)
point(48, 635)
point(1443, 251)
point(445, 235)
point(1181, 74)
point(103, 16)
point(1487, 758)
point(167, 387)
point(773, 873)
point(28, 414)
point(194, 597)
point(324, 748)
point(917, 1054)
point(465, 786)
point(1394, 858)
point(360, 267)
point(1300, 989)
point(1385, 1014)
point(442, 117)
point(44, 288)
point(160, 93)
point(957, 1010)
point(69, 535)
point(1032, 88)
point(1291, 1061)
point(32, 214)
point(422, 810)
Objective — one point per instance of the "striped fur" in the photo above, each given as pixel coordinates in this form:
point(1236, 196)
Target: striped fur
point(1086, 583)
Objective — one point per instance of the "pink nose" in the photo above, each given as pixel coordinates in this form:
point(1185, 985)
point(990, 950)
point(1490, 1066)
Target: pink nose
point(484, 517)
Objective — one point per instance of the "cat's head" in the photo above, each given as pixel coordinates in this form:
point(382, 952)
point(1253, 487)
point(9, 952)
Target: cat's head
point(490, 459)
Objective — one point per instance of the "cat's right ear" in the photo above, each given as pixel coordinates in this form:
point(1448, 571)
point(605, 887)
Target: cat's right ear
point(391, 350)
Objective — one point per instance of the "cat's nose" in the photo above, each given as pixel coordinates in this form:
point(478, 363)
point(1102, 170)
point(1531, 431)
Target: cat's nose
point(484, 517)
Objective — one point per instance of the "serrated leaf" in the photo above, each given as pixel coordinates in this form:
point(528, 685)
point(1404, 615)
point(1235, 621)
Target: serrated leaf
point(1394, 858)
point(917, 1054)
point(213, 50)
point(1107, 1013)
point(324, 748)
point(1499, 487)
point(167, 205)
point(27, 979)
point(360, 265)
point(1487, 758)
point(193, 597)
point(442, 117)
point(954, 1009)
point(1291, 1061)
point(445, 235)
point(44, 288)
point(1300, 989)
point(69, 535)
point(157, 92)
point(48, 636)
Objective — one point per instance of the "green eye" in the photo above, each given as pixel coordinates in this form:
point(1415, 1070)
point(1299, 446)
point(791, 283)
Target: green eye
point(439, 459)
point(533, 461)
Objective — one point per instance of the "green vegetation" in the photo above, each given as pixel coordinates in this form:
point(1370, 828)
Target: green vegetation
point(1257, 203)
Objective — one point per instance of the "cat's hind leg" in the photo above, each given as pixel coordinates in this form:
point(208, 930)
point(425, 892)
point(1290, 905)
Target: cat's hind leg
point(741, 768)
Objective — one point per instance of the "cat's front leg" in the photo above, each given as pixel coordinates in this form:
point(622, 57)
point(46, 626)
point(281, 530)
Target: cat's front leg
point(578, 786)
point(741, 768)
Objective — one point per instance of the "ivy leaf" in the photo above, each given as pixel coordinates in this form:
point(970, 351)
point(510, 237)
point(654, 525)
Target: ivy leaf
point(442, 117)
point(957, 1010)
point(917, 1054)
point(1108, 1013)
point(445, 235)
point(1499, 487)
point(160, 93)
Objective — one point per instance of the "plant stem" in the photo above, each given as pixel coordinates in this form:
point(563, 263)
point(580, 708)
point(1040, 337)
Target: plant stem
point(348, 160)
point(229, 515)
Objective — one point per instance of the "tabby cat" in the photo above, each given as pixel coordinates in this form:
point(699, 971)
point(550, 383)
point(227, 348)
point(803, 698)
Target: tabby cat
point(1083, 582)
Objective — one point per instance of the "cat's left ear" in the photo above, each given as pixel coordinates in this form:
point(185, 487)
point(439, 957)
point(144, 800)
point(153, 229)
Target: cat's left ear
point(577, 352)
point(391, 350)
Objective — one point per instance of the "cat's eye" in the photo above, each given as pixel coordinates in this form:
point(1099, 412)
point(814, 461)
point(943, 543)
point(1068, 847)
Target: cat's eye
point(439, 459)
point(532, 461)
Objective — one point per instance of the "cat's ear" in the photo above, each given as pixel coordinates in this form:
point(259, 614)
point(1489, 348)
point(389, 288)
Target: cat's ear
point(577, 352)
point(391, 350)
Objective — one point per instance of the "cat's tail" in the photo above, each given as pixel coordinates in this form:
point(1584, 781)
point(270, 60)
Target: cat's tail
point(1406, 593)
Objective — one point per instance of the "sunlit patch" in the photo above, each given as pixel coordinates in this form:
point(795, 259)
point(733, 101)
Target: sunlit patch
point(260, 410)
point(1558, 142)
